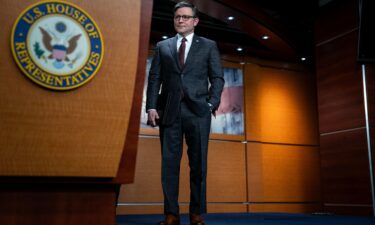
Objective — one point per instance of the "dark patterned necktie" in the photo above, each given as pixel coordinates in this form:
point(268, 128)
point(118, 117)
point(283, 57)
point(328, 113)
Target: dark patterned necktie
point(181, 52)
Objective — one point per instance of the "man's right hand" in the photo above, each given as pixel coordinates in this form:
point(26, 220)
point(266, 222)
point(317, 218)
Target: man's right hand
point(152, 118)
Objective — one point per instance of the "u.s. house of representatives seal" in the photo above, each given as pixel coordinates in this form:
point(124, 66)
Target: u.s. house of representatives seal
point(57, 45)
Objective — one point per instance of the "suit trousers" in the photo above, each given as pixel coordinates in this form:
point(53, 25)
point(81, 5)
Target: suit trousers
point(196, 132)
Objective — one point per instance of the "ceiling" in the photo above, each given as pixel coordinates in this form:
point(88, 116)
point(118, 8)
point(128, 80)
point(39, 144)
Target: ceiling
point(288, 23)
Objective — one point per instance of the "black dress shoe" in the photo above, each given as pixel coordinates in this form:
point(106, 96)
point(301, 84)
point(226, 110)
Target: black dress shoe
point(170, 219)
point(196, 219)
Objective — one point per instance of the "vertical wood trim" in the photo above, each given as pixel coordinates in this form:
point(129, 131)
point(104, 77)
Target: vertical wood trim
point(127, 165)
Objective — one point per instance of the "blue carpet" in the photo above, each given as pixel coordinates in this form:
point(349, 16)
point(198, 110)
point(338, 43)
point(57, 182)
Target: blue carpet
point(254, 219)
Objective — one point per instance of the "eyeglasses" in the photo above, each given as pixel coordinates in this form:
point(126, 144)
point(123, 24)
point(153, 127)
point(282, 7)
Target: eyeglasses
point(183, 17)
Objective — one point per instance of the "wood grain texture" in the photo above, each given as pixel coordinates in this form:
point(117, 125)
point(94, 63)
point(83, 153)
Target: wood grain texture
point(344, 156)
point(280, 106)
point(336, 19)
point(147, 181)
point(226, 208)
point(339, 80)
point(226, 170)
point(281, 173)
point(345, 168)
point(142, 209)
point(72, 133)
point(370, 82)
point(36, 204)
point(126, 170)
point(285, 208)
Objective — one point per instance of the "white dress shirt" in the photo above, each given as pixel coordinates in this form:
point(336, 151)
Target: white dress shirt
point(189, 40)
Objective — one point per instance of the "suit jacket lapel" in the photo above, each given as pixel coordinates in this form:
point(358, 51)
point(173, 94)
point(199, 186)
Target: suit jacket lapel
point(173, 48)
point(193, 49)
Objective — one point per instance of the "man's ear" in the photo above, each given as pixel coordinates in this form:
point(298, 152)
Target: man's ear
point(196, 21)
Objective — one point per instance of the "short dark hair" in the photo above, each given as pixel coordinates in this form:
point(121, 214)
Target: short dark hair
point(186, 4)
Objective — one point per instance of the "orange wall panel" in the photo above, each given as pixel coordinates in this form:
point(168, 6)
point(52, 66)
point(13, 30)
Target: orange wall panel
point(147, 181)
point(281, 173)
point(226, 179)
point(285, 208)
point(280, 106)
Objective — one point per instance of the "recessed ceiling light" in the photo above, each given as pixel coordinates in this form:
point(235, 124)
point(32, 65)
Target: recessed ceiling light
point(265, 37)
point(164, 37)
point(230, 18)
point(239, 49)
point(303, 58)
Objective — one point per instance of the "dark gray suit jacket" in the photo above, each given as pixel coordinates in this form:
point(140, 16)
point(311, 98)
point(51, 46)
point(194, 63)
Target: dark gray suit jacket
point(202, 67)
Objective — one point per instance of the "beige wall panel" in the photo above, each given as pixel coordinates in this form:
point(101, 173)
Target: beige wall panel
point(226, 208)
point(147, 181)
point(72, 133)
point(226, 170)
point(280, 173)
point(146, 209)
point(280, 106)
point(285, 208)
point(226, 181)
point(140, 209)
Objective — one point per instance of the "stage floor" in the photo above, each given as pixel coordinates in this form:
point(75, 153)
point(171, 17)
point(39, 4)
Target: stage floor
point(255, 219)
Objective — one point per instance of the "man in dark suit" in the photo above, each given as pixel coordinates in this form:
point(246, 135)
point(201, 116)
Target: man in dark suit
point(180, 101)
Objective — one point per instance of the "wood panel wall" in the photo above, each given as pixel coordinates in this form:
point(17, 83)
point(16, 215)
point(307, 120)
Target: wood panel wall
point(344, 153)
point(282, 135)
point(57, 204)
point(280, 105)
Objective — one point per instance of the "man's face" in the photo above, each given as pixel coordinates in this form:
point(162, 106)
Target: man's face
point(184, 22)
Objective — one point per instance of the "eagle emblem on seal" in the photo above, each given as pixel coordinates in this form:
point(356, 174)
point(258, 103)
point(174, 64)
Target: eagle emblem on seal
point(58, 46)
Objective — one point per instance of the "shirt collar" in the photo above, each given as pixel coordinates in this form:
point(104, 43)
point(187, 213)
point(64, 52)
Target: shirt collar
point(189, 38)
